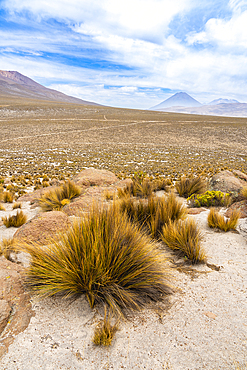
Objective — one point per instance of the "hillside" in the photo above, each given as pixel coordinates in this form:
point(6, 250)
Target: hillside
point(14, 84)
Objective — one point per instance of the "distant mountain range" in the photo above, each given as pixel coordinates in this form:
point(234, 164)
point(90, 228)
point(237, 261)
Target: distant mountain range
point(183, 103)
point(14, 84)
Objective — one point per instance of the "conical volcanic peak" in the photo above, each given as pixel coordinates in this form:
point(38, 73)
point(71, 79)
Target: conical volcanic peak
point(181, 99)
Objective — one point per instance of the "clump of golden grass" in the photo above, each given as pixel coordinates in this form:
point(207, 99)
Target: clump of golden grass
point(152, 214)
point(8, 197)
point(16, 220)
point(2, 208)
point(185, 237)
point(17, 205)
point(188, 186)
point(139, 187)
point(108, 195)
point(55, 199)
point(7, 246)
point(103, 256)
point(244, 192)
point(218, 221)
point(105, 332)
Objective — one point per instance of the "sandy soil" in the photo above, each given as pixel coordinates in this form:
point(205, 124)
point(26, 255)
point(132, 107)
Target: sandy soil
point(203, 327)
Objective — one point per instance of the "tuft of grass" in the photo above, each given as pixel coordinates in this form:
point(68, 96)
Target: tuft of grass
point(8, 197)
point(104, 332)
point(188, 186)
point(185, 237)
point(108, 195)
point(55, 199)
point(8, 246)
point(16, 220)
point(218, 221)
point(152, 214)
point(140, 187)
point(16, 205)
point(244, 192)
point(2, 208)
point(103, 256)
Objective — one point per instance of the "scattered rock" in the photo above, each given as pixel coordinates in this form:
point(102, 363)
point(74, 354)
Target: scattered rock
point(226, 181)
point(241, 206)
point(94, 177)
point(211, 315)
point(196, 211)
point(43, 226)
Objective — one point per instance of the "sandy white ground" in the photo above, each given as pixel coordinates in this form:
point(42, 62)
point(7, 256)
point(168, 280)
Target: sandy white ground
point(205, 327)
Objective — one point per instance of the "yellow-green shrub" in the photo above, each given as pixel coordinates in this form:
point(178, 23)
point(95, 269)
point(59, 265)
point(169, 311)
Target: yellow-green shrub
point(209, 199)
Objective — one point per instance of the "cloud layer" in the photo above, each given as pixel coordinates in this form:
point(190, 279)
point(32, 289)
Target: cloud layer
point(134, 53)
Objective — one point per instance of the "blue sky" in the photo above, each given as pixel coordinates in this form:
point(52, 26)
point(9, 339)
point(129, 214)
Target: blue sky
point(128, 53)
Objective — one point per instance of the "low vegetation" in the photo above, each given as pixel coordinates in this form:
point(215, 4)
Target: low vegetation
point(244, 192)
point(8, 246)
point(184, 237)
point(209, 199)
point(2, 208)
point(17, 205)
point(105, 331)
point(55, 199)
point(8, 197)
point(103, 256)
point(153, 213)
point(16, 220)
point(217, 221)
point(192, 185)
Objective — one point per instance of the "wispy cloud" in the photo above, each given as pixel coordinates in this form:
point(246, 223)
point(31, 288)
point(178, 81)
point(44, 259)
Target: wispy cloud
point(128, 53)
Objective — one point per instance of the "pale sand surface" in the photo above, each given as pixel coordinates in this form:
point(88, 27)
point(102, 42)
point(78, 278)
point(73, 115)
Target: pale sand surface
point(204, 328)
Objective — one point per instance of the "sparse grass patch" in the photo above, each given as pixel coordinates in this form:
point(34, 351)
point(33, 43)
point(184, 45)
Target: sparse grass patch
point(152, 214)
point(8, 197)
point(7, 246)
point(188, 186)
point(16, 220)
point(218, 221)
point(55, 199)
point(139, 187)
point(104, 332)
point(103, 256)
point(209, 199)
point(2, 208)
point(185, 237)
point(17, 205)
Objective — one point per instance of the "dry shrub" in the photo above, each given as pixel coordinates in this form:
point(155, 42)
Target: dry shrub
point(16, 220)
point(139, 187)
point(218, 221)
point(105, 332)
point(8, 246)
point(16, 205)
point(152, 214)
point(8, 197)
point(188, 186)
point(55, 199)
point(103, 256)
point(185, 237)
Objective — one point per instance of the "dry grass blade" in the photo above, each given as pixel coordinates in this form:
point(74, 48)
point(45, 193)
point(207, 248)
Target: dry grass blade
point(188, 186)
point(152, 214)
point(185, 237)
point(16, 220)
point(103, 256)
point(105, 332)
point(218, 221)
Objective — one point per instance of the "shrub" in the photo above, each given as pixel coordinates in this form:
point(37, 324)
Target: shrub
point(218, 221)
point(209, 199)
point(2, 208)
point(55, 199)
point(139, 187)
point(185, 237)
point(103, 256)
point(104, 332)
point(8, 197)
point(16, 205)
point(7, 246)
point(152, 214)
point(16, 221)
point(188, 186)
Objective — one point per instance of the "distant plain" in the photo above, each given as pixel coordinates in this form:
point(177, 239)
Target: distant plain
point(41, 137)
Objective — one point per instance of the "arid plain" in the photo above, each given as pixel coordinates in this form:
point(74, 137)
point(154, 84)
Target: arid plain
point(60, 139)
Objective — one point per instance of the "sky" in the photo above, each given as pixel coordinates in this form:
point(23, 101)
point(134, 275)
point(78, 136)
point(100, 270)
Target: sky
point(128, 53)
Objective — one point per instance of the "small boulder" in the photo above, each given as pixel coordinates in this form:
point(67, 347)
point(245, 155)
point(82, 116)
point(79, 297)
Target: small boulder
point(43, 226)
point(226, 182)
point(241, 206)
point(94, 177)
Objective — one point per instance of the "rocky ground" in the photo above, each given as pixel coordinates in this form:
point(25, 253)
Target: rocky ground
point(202, 326)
